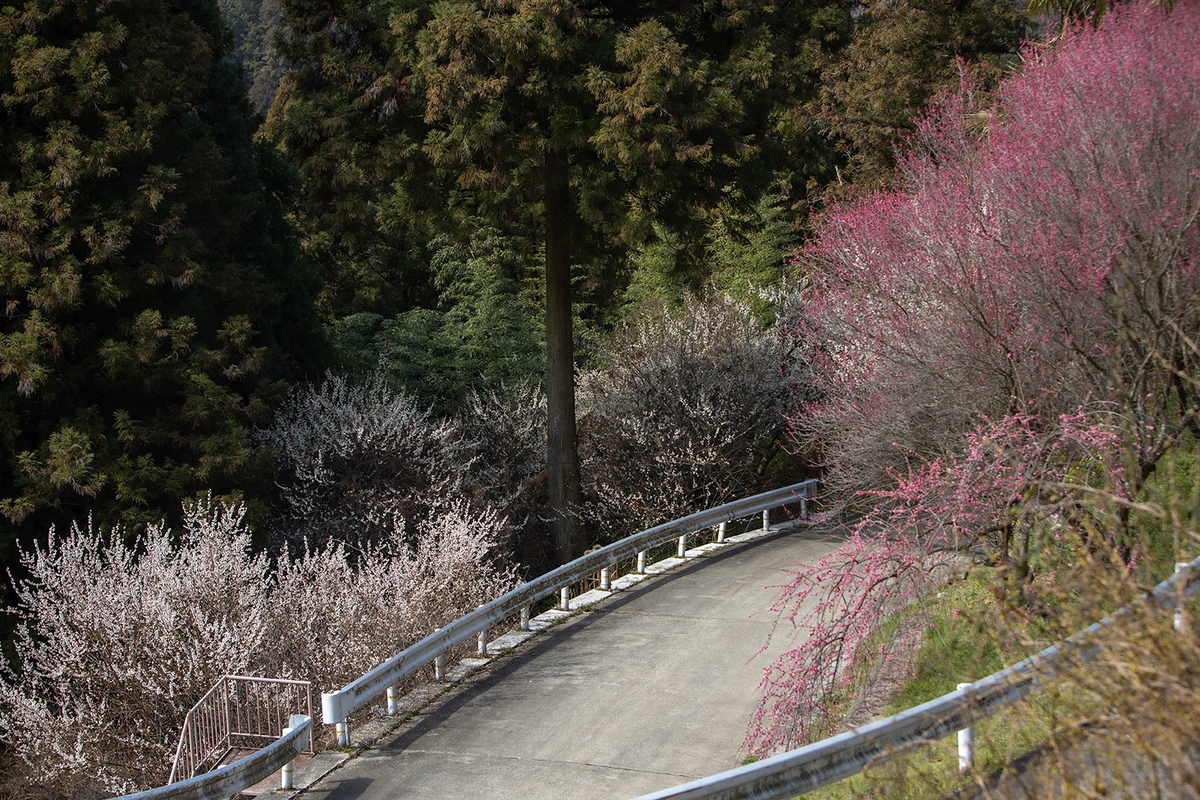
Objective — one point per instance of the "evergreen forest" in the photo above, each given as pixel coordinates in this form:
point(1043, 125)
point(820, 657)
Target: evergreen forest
point(460, 197)
point(326, 292)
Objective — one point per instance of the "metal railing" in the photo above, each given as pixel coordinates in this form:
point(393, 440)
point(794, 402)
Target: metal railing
point(231, 779)
point(830, 760)
point(336, 707)
point(782, 776)
point(238, 712)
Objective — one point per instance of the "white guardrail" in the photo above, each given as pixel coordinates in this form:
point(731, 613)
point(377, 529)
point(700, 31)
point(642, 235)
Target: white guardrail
point(337, 706)
point(830, 760)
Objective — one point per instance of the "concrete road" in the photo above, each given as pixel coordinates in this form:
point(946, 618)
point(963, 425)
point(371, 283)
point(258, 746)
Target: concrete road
point(653, 687)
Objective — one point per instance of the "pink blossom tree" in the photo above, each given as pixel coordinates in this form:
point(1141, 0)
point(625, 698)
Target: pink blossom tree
point(1040, 255)
point(1005, 346)
point(1009, 487)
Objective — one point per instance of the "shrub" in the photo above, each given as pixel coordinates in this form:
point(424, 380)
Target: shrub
point(115, 647)
point(358, 461)
point(483, 332)
point(688, 413)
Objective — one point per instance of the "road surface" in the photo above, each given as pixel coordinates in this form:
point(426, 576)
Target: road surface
point(653, 687)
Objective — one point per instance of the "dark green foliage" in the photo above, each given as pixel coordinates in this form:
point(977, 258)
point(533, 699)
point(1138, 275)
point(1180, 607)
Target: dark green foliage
point(486, 332)
point(343, 117)
point(747, 253)
point(493, 320)
point(900, 56)
point(254, 23)
point(150, 288)
point(744, 253)
point(660, 269)
point(406, 118)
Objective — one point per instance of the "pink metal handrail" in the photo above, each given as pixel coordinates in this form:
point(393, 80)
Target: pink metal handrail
point(238, 712)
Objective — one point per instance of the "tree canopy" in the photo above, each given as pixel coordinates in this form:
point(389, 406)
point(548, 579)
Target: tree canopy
point(254, 23)
point(575, 127)
point(900, 57)
point(152, 291)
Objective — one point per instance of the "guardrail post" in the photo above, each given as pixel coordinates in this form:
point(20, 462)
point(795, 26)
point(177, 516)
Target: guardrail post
point(682, 551)
point(721, 531)
point(482, 643)
point(393, 697)
point(966, 740)
point(343, 733)
point(1179, 566)
point(766, 521)
point(641, 567)
point(606, 580)
point(564, 598)
point(439, 664)
point(524, 618)
point(285, 774)
point(804, 506)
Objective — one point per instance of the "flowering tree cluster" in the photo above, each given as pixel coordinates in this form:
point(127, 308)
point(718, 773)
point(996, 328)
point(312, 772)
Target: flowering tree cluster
point(358, 462)
point(686, 415)
point(1041, 254)
point(114, 647)
point(1004, 347)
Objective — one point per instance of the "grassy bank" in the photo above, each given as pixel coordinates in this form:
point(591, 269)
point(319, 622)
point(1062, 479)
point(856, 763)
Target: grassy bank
point(1124, 710)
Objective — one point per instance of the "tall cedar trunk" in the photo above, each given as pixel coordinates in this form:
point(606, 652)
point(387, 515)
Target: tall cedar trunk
point(562, 457)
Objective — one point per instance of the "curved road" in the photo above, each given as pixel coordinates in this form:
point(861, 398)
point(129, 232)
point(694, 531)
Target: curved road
point(650, 688)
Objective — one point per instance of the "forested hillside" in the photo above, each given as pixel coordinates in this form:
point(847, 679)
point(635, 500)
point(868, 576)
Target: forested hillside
point(514, 261)
point(156, 303)
point(254, 23)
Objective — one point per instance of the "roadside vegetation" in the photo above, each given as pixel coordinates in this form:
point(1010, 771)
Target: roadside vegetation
point(1111, 727)
point(1005, 357)
point(496, 281)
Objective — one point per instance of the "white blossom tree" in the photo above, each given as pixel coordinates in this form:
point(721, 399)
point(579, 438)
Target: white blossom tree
point(116, 644)
point(357, 461)
point(687, 413)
